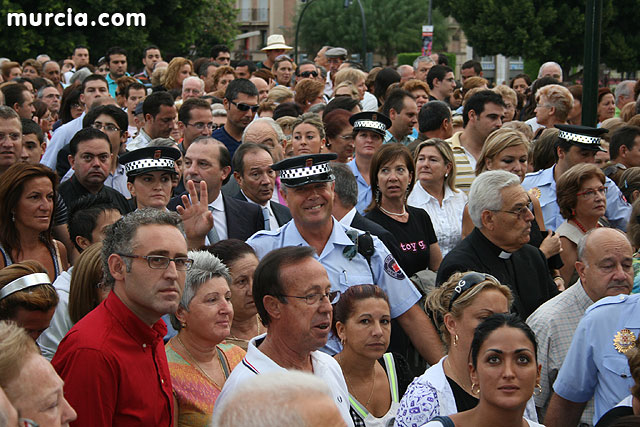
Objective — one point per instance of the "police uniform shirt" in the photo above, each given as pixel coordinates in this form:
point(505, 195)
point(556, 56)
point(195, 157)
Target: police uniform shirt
point(618, 210)
point(593, 366)
point(346, 268)
point(364, 189)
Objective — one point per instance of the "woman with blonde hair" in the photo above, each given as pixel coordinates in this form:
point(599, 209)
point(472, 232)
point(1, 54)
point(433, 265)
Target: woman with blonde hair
point(435, 191)
point(308, 135)
point(280, 95)
point(179, 69)
point(457, 307)
point(283, 69)
point(346, 89)
point(510, 99)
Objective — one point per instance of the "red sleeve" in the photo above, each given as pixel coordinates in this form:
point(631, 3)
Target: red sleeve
point(91, 385)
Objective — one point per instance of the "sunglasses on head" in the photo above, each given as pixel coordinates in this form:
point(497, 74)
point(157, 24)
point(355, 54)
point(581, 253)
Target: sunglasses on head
point(306, 74)
point(245, 107)
point(467, 282)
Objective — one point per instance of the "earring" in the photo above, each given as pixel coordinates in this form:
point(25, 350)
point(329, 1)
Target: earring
point(473, 388)
point(378, 196)
point(13, 216)
point(343, 341)
point(537, 390)
point(455, 340)
point(183, 325)
point(573, 212)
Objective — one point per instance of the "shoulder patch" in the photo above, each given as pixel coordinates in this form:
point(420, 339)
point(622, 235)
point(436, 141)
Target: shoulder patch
point(392, 268)
point(535, 192)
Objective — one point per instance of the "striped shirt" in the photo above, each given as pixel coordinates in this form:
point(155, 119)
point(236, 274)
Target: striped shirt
point(465, 166)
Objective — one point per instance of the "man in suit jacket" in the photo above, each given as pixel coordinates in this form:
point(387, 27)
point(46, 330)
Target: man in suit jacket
point(208, 160)
point(344, 207)
point(252, 169)
point(499, 209)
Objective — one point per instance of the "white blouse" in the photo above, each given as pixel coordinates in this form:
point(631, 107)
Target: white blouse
point(446, 219)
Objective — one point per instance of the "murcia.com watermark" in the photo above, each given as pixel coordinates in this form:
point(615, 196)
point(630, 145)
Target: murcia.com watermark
point(79, 19)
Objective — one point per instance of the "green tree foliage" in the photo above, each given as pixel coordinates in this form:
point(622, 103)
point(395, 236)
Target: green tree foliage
point(173, 25)
point(392, 26)
point(548, 30)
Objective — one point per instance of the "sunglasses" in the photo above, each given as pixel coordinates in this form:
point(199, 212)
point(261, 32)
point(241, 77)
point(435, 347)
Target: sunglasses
point(307, 74)
point(467, 282)
point(245, 107)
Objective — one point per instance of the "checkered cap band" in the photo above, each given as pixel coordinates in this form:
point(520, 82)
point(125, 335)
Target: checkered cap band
point(576, 137)
point(371, 124)
point(305, 171)
point(149, 164)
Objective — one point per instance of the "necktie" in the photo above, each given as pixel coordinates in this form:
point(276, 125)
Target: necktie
point(212, 235)
point(265, 214)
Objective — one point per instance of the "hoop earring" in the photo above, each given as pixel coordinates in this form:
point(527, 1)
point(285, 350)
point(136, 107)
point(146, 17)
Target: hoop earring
point(455, 340)
point(537, 390)
point(473, 388)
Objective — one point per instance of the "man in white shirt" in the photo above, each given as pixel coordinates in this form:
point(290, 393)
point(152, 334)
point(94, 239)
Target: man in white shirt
point(297, 314)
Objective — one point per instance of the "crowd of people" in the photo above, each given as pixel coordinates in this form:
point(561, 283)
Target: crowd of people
point(218, 242)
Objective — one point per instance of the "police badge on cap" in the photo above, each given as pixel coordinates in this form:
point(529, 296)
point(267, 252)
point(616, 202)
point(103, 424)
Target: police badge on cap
point(305, 169)
point(149, 159)
point(583, 136)
point(370, 120)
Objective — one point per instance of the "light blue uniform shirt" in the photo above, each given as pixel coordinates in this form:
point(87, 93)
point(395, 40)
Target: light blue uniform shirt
point(618, 210)
point(593, 366)
point(364, 189)
point(343, 272)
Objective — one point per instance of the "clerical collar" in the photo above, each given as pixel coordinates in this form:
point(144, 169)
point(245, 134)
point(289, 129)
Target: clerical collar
point(504, 255)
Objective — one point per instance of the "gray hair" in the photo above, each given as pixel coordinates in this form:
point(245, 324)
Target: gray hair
point(485, 193)
point(119, 235)
point(317, 108)
point(346, 186)
point(194, 78)
point(218, 110)
point(254, 404)
point(42, 88)
point(545, 65)
point(275, 126)
point(206, 266)
point(420, 59)
point(624, 88)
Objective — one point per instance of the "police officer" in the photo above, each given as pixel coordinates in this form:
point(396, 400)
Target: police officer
point(575, 144)
point(308, 185)
point(150, 175)
point(369, 130)
point(596, 364)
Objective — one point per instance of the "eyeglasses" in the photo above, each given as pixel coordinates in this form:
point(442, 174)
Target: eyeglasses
point(107, 127)
point(591, 193)
point(520, 212)
point(215, 126)
point(467, 282)
point(76, 106)
point(160, 262)
point(307, 74)
point(245, 107)
point(313, 299)
point(13, 136)
point(200, 125)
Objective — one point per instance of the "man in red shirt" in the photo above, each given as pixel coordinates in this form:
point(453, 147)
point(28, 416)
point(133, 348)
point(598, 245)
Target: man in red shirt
point(113, 361)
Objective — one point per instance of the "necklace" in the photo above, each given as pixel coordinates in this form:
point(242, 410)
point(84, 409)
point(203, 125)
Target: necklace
point(404, 211)
point(373, 382)
point(580, 226)
point(198, 365)
point(455, 378)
